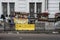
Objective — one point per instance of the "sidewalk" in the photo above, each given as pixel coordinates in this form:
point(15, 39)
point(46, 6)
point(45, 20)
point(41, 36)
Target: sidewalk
point(33, 32)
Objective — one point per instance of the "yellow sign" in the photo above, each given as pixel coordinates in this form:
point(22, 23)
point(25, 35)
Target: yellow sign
point(25, 27)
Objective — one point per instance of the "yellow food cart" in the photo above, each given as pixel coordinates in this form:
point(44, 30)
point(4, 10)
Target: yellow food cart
point(21, 23)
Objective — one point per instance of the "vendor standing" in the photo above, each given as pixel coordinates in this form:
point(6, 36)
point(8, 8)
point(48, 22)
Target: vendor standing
point(11, 22)
point(3, 17)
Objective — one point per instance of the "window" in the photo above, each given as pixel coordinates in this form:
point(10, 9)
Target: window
point(32, 9)
point(12, 6)
point(4, 8)
point(38, 7)
point(32, 6)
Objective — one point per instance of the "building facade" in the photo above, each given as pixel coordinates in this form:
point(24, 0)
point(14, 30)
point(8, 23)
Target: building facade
point(30, 6)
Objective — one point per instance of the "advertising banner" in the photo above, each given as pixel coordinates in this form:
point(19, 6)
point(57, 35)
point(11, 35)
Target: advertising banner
point(22, 24)
point(25, 27)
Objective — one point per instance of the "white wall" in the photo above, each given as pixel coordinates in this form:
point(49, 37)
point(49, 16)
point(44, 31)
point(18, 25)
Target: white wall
point(21, 5)
point(53, 7)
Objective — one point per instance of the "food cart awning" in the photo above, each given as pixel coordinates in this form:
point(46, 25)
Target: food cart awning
point(45, 14)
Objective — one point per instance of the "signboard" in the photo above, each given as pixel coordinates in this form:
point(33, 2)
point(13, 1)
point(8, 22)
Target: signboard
point(25, 27)
point(22, 24)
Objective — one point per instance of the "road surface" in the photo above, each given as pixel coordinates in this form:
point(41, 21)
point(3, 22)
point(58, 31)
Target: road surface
point(29, 36)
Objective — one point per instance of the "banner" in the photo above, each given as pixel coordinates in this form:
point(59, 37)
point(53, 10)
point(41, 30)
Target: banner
point(25, 27)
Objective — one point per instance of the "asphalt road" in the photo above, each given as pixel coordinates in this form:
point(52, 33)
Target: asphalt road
point(29, 36)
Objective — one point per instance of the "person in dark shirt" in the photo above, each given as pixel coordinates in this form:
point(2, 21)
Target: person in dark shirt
point(2, 16)
point(11, 23)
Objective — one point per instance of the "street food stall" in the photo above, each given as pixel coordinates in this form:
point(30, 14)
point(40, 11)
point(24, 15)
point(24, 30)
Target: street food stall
point(43, 16)
point(21, 22)
point(42, 20)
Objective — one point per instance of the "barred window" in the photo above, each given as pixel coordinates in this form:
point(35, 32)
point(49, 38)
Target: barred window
point(38, 7)
point(32, 9)
point(4, 8)
point(12, 6)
